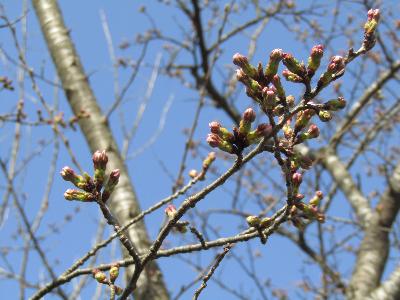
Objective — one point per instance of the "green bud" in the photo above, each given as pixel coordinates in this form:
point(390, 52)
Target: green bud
point(114, 272)
point(324, 115)
point(83, 196)
point(335, 104)
point(253, 221)
point(273, 64)
point(293, 65)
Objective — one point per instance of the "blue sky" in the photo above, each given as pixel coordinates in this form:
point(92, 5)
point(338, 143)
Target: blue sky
point(281, 261)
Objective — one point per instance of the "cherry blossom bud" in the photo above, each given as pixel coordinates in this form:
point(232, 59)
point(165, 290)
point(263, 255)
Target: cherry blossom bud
point(261, 131)
point(170, 211)
point(276, 81)
point(114, 272)
point(249, 115)
point(373, 20)
point(214, 127)
point(242, 62)
point(100, 276)
point(245, 123)
point(302, 119)
point(100, 160)
point(297, 178)
point(273, 64)
point(335, 104)
point(83, 196)
point(293, 65)
point(314, 60)
point(241, 76)
point(113, 179)
point(253, 221)
point(324, 115)
point(269, 97)
point(317, 198)
point(215, 141)
point(290, 76)
point(68, 174)
point(313, 131)
point(110, 185)
point(336, 64)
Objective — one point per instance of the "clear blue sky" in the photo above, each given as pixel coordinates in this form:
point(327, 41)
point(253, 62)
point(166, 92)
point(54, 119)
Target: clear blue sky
point(281, 261)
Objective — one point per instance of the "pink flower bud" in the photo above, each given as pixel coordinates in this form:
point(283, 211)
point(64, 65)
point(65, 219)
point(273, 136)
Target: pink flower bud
point(214, 127)
point(68, 174)
point(269, 97)
point(276, 54)
point(336, 64)
point(249, 115)
point(313, 131)
point(100, 160)
point(240, 60)
point(114, 176)
point(276, 81)
point(297, 178)
point(213, 140)
point(290, 76)
point(314, 60)
point(274, 59)
point(374, 14)
point(170, 211)
point(241, 76)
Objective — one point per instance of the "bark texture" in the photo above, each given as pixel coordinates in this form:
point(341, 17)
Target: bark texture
point(124, 204)
point(374, 250)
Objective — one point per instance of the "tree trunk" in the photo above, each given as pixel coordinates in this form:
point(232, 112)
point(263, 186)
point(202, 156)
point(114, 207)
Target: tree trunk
point(98, 135)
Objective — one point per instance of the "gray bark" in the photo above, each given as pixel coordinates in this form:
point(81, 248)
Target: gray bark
point(374, 250)
point(124, 204)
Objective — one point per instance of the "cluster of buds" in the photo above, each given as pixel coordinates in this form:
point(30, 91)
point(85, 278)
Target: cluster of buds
point(90, 189)
point(102, 278)
point(265, 87)
point(170, 212)
point(242, 137)
point(310, 211)
point(370, 28)
point(259, 223)
point(58, 119)
point(6, 83)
